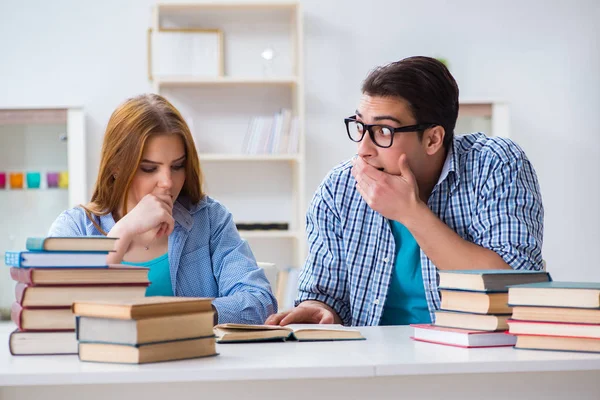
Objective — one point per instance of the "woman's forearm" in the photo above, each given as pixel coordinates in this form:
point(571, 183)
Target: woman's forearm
point(122, 245)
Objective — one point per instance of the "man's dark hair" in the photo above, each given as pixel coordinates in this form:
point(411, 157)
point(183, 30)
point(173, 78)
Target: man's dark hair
point(426, 84)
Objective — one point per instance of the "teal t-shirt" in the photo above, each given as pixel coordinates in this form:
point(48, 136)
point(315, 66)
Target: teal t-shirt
point(405, 303)
point(159, 275)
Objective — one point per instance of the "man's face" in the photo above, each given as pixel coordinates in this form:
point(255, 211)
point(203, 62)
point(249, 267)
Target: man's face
point(393, 112)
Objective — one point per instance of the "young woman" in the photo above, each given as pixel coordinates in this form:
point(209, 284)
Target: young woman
point(149, 195)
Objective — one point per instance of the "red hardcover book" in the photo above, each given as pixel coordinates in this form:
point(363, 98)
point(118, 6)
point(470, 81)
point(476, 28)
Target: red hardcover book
point(565, 329)
point(38, 296)
point(42, 320)
point(461, 337)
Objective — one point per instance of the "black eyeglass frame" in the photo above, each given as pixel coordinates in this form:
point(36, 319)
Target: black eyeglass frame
point(368, 128)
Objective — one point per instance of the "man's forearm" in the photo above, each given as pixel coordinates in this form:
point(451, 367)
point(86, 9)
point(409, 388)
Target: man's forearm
point(446, 249)
point(336, 317)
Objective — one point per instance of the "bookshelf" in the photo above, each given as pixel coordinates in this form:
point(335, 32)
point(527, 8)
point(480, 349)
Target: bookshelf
point(37, 141)
point(261, 54)
point(483, 115)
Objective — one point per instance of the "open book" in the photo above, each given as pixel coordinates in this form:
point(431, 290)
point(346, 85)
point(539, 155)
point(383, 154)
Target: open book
point(232, 333)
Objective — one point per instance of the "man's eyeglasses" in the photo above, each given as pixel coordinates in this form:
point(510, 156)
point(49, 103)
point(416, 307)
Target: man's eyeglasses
point(381, 135)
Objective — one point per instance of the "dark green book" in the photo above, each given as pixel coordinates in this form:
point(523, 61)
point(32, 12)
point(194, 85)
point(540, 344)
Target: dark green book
point(495, 280)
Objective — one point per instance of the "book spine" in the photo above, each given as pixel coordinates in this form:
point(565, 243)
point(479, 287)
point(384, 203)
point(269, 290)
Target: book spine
point(12, 258)
point(35, 244)
point(23, 275)
point(10, 343)
point(16, 312)
point(20, 290)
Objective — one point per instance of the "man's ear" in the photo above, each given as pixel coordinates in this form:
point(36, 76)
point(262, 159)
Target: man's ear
point(433, 139)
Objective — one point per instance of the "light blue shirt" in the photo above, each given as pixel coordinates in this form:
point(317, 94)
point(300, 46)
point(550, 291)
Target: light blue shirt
point(158, 275)
point(207, 258)
point(487, 193)
point(405, 303)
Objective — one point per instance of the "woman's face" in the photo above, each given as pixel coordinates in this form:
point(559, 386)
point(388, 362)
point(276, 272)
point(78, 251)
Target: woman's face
point(161, 170)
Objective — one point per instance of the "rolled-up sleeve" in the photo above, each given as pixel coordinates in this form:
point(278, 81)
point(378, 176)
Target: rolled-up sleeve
point(509, 218)
point(245, 294)
point(324, 276)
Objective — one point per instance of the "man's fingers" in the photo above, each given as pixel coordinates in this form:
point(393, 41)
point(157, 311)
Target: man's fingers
point(275, 319)
point(326, 318)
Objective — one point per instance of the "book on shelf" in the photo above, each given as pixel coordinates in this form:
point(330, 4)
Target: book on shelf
point(556, 294)
point(149, 352)
point(234, 333)
point(144, 307)
point(461, 337)
point(37, 259)
point(560, 343)
point(488, 280)
point(554, 329)
point(114, 274)
point(262, 226)
point(42, 343)
point(43, 319)
point(66, 295)
point(276, 134)
point(146, 330)
point(475, 302)
point(79, 243)
point(557, 314)
point(482, 322)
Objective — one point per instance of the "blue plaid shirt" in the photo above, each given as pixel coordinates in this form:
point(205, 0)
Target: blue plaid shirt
point(207, 258)
point(487, 193)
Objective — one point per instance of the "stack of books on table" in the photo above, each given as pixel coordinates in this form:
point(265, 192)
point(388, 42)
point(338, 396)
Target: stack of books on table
point(54, 273)
point(556, 316)
point(146, 330)
point(474, 310)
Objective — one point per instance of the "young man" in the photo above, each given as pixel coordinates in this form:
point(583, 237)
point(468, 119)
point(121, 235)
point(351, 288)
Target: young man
point(415, 199)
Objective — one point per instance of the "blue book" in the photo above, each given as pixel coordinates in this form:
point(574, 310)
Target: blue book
point(489, 280)
point(556, 294)
point(77, 243)
point(38, 259)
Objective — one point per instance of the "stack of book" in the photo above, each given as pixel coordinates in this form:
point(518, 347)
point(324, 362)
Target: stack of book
point(475, 302)
point(556, 316)
point(146, 330)
point(54, 273)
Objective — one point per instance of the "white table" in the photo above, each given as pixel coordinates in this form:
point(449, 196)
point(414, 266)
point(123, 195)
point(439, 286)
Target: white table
point(387, 365)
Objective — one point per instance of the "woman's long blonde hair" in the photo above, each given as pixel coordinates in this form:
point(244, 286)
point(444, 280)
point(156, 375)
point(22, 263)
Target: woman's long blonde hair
point(129, 128)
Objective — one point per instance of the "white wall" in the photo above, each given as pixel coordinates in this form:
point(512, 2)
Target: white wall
point(541, 56)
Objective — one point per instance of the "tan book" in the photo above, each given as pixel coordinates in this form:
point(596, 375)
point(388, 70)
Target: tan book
point(556, 294)
point(557, 314)
point(475, 302)
point(480, 322)
point(231, 333)
point(147, 353)
point(488, 280)
point(147, 330)
point(66, 295)
point(42, 343)
point(145, 307)
point(558, 343)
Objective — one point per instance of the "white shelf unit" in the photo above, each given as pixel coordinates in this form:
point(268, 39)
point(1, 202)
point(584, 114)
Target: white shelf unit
point(483, 115)
point(254, 187)
point(38, 140)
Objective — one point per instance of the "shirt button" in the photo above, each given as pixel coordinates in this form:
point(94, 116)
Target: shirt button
point(386, 260)
point(376, 301)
